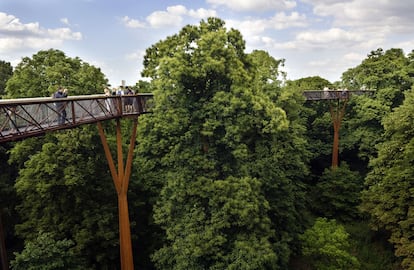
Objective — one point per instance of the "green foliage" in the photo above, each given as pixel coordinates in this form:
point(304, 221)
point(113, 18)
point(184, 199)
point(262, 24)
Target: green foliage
point(219, 226)
point(65, 191)
point(63, 184)
point(46, 253)
point(362, 129)
point(223, 151)
point(42, 74)
point(6, 71)
point(310, 83)
point(143, 87)
point(326, 245)
point(387, 197)
point(316, 118)
point(337, 193)
point(371, 248)
point(388, 73)
point(389, 69)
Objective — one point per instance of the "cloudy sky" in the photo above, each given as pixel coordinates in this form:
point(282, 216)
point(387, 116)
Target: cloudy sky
point(315, 37)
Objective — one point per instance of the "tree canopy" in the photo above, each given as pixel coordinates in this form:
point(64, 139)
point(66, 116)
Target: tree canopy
point(41, 75)
point(389, 184)
point(217, 133)
point(6, 71)
point(231, 167)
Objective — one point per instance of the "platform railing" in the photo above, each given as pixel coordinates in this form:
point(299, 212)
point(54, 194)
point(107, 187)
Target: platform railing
point(28, 117)
point(334, 94)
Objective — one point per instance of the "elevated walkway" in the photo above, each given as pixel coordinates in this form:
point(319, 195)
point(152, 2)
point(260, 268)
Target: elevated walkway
point(29, 117)
point(315, 95)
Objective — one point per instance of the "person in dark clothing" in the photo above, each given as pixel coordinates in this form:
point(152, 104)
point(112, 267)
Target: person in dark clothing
point(60, 106)
point(129, 100)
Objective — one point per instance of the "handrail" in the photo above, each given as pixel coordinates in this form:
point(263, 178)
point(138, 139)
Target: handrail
point(334, 94)
point(29, 117)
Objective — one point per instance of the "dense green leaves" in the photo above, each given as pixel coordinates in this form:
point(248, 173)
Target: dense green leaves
point(63, 194)
point(228, 168)
point(63, 183)
point(42, 74)
point(388, 196)
point(337, 194)
point(327, 246)
point(46, 253)
point(6, 71)
point(223, 147)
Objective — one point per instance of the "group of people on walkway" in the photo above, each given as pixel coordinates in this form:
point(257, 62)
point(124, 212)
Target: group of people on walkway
point(121, 91)
point(62, 92)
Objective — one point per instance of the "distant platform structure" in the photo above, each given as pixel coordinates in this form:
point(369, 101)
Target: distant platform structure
point(337, 110)
point(334, 94)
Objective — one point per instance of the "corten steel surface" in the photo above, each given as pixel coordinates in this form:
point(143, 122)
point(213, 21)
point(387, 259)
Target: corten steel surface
point(337, 110)
point(120, 178)
point(29, 117)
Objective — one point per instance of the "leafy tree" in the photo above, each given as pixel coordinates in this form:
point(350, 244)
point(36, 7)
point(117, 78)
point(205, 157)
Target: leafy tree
point(8, 201)
point(63, 183)
point(326, 245)
point(213, 147)
point(389, 74)
point(387, 197)
point(70, 165)
point(317, 121)
point(46, 70)
point(337, 193)
point(310, 83)
point(143, 87)
point(6, 71)
point(287, 164)
point(380, 70)
point(64, 191)
point(46, 253)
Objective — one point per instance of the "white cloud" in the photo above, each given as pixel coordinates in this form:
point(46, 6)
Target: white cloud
point(132, 23)
point(202, 13)
point(172, 16)
point(407, 46)
point(329, 37)
point(11, 24)
point(175, 15)
point(252, 28)
point(283, 21)
point(254, 5)
point(159, 19)
point(63, 34)
point(370, 14)
point(17, 35)
point(65, 21)
point(177, 10)
point(137, 55)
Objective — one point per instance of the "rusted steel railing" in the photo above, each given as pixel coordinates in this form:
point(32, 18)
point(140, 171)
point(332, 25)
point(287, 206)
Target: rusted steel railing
point(334, 94)
point(29, 117)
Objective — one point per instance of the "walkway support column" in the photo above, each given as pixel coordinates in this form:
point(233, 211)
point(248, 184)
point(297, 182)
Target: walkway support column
point(337, 114)
point(121, 182)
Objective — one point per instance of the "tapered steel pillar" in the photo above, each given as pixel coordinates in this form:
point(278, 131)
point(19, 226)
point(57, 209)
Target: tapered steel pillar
point(121, 181)
point(337, 114)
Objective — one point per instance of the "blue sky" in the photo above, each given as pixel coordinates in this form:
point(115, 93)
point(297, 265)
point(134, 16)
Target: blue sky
point(315, 37)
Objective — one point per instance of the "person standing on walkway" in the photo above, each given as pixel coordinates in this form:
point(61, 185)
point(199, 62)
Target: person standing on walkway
point(61, 106)
point(108, 101)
